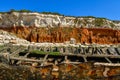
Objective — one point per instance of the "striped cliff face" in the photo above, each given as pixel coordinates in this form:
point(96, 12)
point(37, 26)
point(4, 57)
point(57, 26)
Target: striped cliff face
point(52, 20)
point(63, 34)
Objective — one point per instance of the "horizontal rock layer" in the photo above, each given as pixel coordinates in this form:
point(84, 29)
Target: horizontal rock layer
point(50, 20)
point(85, 71)
point(60, 34)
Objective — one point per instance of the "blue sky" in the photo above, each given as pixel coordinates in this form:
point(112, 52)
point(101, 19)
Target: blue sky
point(99, 8)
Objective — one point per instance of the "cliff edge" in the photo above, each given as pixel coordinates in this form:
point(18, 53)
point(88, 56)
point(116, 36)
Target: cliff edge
point(39, 27)
point(9, 19)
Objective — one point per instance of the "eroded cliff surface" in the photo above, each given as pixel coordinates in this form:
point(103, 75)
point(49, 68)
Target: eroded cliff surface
point(63, 34)
point(37, 27)
point(51, 20)
point(83, 71)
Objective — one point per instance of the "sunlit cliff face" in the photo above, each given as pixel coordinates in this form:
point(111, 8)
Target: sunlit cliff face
point(63, 34)
point(52, 20)
point(36, 27)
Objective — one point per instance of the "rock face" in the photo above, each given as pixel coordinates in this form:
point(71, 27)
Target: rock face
point(37, 27)
point(83, 71)
point(50, 20)
point(60, 34)
point(6, 37)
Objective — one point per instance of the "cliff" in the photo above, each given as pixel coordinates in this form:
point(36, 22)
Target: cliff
point(38, 27)
point(83, 71)
point(53, 20)
point(63, 34)
point(6, 37)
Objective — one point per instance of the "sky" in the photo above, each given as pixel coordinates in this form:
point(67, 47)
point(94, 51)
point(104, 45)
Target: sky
point(109, 9)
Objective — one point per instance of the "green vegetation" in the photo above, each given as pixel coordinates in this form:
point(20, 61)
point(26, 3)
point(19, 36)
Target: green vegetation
point(1, 46)
point(86, 17)
point(42, 52)
point(23, 10)
point(112, 25)
point(53, 13)
point(54, 53)
point(37, 52)
point(13, 10)
point(76, 20)
point(99, 22)
point(91, 17)
point(2, 12)
point(116, 21)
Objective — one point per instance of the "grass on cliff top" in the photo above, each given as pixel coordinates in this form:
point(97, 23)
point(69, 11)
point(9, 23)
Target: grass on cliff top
point(42, 52)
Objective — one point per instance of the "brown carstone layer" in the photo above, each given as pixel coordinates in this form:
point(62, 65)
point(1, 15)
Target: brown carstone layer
point(62, 34)
point(83, 71)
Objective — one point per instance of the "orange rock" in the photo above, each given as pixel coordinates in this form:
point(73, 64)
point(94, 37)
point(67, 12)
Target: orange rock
point(62, 34)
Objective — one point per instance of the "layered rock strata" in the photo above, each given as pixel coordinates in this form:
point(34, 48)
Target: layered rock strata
point(84, 71)
point(50, 20)
point(60, 34)
point(37, 27)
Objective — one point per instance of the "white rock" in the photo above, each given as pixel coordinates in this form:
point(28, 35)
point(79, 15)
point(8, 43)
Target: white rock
point(44, 20)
